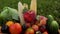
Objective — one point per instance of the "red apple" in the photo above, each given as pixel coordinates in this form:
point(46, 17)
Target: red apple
point(35, 27)
point(15, 28)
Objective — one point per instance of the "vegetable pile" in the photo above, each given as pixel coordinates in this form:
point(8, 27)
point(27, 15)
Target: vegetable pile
point(34, 24)
point(12, 22)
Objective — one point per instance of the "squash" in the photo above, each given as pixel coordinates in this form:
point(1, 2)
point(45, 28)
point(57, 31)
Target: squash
point(54, 26)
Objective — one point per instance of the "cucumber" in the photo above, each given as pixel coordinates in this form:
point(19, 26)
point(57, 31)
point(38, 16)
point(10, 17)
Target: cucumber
point(54, 26)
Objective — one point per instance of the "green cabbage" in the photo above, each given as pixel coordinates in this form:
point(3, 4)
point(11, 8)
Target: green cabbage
point(8, 14)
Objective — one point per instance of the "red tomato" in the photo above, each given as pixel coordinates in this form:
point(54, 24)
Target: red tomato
point(35, 27)
point(15, 28)
point(29, 31)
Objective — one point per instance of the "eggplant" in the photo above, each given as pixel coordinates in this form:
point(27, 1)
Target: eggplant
point(5, 29)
